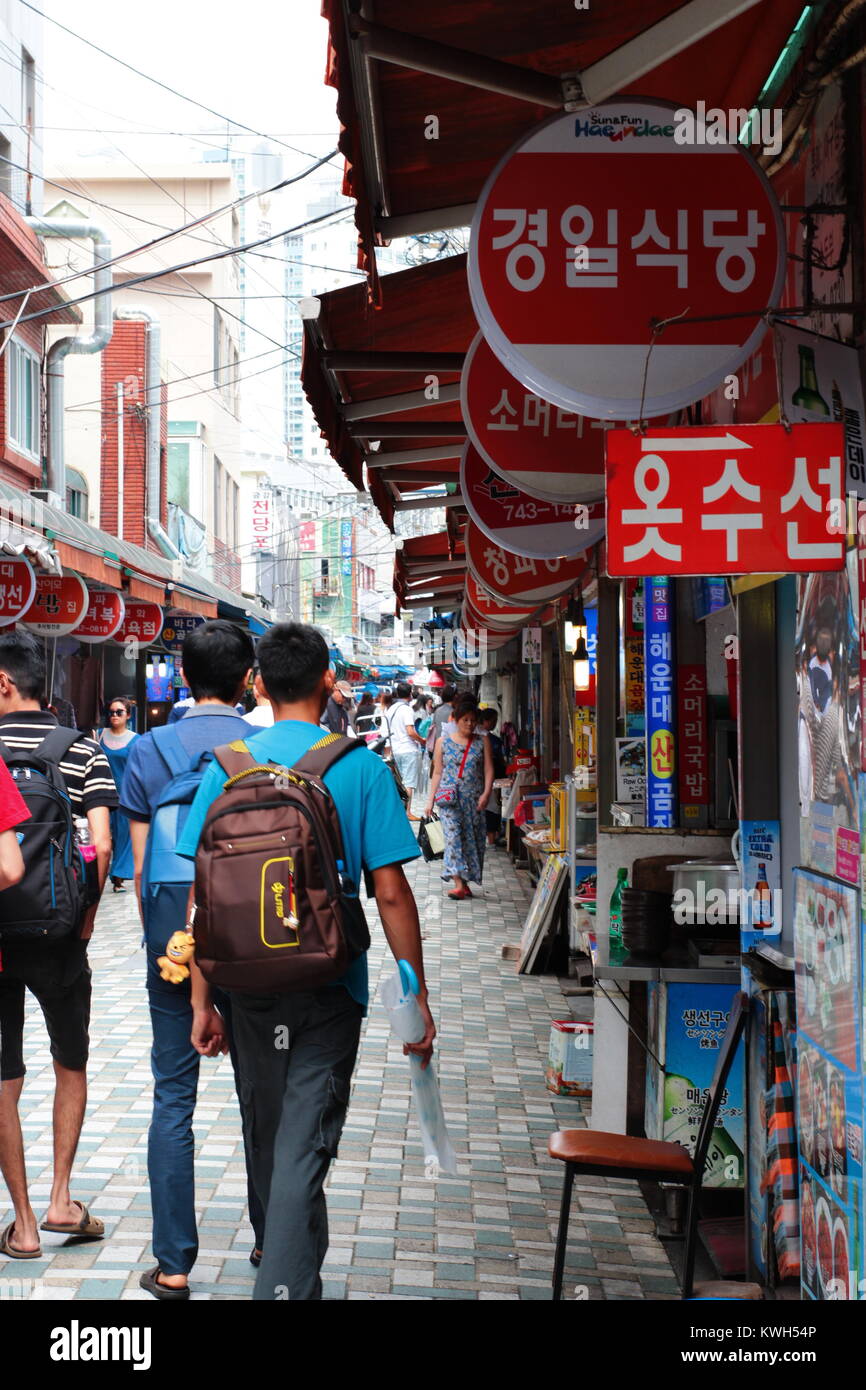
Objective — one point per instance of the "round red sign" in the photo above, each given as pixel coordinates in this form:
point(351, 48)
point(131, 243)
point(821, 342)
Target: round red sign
point(103, 618)
point(58, 606)
point(492, 611)
point(522, 523)
point(600, 224)
point(142, 622)
point(17, 589)
point(517, 577)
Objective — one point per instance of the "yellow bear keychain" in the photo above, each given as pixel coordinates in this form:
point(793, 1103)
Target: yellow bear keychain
point(172, 966)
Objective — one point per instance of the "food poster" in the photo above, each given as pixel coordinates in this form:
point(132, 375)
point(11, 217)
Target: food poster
point(827, 952)
point(827, 661)
point(695, 1024)
point(830, 1136)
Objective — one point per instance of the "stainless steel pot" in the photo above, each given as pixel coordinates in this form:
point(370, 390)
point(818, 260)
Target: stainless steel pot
point(713, 873)
point(703, 880)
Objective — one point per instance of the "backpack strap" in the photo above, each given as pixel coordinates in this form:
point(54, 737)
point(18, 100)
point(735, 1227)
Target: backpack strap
point(235, 757)
point(56, 744)
point(325, 752)
point(170, 748)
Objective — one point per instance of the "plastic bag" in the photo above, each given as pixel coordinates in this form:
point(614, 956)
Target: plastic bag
point(431, 838)
point(407, 1024)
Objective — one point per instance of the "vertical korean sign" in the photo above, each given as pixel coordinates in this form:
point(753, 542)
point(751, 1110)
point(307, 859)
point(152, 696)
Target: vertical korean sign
point(262, 519)
point(692, 744)
point(661, 787)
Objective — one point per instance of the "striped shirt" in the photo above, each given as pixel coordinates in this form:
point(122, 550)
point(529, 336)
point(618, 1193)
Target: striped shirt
point(85, 767)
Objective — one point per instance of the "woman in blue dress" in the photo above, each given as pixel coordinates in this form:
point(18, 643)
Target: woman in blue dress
point(117, 739)
point(460, 790)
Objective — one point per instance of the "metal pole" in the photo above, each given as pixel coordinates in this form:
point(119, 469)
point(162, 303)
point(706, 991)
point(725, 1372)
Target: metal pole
point(120, 460)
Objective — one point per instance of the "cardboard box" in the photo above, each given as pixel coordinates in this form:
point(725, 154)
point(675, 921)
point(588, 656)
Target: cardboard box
point(569, 1058)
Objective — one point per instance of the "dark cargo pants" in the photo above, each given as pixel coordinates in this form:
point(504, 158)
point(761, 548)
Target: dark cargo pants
point(295, 1053)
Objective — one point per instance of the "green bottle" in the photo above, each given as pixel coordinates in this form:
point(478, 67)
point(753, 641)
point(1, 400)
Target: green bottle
point(807, 396)
point(616, 946)
point(683, 1108)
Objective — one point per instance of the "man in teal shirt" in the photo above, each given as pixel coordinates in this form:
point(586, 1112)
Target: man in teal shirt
point(294, 1098)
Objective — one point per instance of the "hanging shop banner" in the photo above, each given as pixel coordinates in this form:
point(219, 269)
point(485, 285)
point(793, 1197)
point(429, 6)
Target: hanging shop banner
point(58, 606)
point(521, 523)
point(819, 380)
point(761, 881)
point(142, 623)
point(549, 453)
point(177, 627)
point(758, 500)
point(17, 589)
point(660, 709)
point(307, 537)
point(692, 741)
point(634, 687)
point(346, 545)
point(600, 223)
point(516, 577)
point(531, 644)
point(827, 665)
point(262, 519)
point(493, 611)
point(104, 616)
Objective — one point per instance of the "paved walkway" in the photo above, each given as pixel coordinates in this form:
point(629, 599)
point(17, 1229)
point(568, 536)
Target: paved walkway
point(485, 1234)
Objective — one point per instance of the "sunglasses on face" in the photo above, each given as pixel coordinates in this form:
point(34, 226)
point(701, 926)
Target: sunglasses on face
point(116, 713)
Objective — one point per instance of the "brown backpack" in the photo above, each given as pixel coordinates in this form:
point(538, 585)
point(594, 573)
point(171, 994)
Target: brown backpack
point(275, 910)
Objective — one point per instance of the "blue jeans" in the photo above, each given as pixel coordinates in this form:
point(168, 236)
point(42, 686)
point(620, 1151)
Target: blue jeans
point(171, 1143)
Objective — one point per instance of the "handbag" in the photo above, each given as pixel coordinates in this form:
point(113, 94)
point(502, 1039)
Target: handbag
point(449, 796)
point(431, 838)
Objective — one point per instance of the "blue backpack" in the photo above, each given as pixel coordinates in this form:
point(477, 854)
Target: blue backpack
point(166, 876)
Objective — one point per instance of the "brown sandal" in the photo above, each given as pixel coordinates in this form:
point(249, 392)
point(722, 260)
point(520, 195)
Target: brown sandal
point(11, 1251)
point(90, 1227)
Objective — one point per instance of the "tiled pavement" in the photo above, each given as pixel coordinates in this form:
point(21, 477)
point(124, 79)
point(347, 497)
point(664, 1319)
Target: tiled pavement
point(485, 1234)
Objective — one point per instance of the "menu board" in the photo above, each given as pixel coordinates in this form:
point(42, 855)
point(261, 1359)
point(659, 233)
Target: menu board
point(827, 943)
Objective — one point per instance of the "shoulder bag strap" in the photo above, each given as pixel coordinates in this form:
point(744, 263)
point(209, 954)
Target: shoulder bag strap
point(463, 760)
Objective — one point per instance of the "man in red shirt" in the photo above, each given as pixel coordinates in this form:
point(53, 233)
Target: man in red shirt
point(12, 813)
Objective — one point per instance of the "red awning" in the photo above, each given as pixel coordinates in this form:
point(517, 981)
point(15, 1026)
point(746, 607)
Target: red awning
point(394, 172)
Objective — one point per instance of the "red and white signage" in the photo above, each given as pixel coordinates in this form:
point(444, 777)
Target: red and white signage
point(493, 611)
point(142, 622)
point(693, 762)
point(522, 523)
point(58, 606)
point(307, 537)
point(262, 520)
point(104, 616)
point(596, 226)
point(517, 578)
point(751, 499)
point(17, 589)
point(550, 453)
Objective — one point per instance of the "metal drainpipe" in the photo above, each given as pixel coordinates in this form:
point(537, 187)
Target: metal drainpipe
point(153, 404)
point(85, 342)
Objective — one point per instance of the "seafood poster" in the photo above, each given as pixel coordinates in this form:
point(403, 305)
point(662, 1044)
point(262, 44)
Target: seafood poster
point(829, 1086)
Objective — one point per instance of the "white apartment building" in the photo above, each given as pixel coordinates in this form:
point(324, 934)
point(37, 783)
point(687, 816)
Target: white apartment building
point(21, 50)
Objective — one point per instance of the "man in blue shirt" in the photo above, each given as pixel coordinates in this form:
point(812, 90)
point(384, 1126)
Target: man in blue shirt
point(297, 1050)
point(217, 660)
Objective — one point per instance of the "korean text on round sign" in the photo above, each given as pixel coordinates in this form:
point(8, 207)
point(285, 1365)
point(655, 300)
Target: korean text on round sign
point(596, 226)
point(550, 453)
point(177, 627)
point(494, 611)
point(142, 622)
point(517, 577)
point(58, 606)
point(103, 618)
point(17, 589)
point(522, 523)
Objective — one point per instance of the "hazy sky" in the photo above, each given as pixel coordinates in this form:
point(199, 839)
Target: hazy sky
point(260, 62)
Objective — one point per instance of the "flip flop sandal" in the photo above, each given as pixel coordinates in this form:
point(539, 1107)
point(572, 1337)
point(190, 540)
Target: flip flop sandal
point(90, 1227)
point(459, 896)
point(11, 1251)
point(150, 1281)
point(255, 1257)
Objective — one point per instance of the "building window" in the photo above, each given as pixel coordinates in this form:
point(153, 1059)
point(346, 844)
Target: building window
point(28, 91)
point(178, 473)
point(77, 494)
point(218, 484)
point(23, 399)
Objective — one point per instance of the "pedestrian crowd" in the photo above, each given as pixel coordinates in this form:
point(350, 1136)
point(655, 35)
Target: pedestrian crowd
point(247, 829)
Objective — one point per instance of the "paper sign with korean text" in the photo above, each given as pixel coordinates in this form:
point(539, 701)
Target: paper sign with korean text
point(521, 523)
point(693, 738)
point(596, 226)
point(58, 606)
point(660, 704)
point(17, 589)
point(104, 616)
point(634, 686)
point(142, 622)
point(517, 578)
point(756, 499)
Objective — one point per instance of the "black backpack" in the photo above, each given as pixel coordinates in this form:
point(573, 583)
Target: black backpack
point(49, 902)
